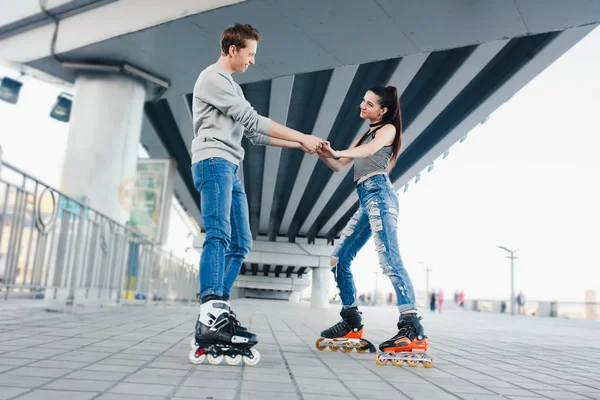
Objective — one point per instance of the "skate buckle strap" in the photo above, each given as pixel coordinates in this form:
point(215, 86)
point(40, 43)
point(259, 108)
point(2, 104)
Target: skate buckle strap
point(339, 326)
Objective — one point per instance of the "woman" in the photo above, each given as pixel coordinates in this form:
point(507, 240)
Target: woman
point(374, 154)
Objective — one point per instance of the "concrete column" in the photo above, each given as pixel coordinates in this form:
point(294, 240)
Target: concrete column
point(102, 146)
point(295, 297)
point(320, 288)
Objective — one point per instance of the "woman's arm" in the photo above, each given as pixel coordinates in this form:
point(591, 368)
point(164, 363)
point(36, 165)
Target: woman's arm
point(383, 138)
point(335, 165)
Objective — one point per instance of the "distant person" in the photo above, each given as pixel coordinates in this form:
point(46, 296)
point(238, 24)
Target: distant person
point(440, 299)
point(521, 302)
point(432, 300)
point(461, 299)
point(456, 297)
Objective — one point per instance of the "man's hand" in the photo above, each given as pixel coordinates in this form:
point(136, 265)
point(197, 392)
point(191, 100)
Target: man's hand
point(311, 143)
point(306, 150)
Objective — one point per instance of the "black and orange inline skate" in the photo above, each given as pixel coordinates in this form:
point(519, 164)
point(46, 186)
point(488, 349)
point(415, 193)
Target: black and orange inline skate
point(346, 334)
point(408, 345)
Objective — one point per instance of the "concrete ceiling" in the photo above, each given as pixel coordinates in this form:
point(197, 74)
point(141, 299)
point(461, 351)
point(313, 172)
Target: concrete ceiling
point(454, 62)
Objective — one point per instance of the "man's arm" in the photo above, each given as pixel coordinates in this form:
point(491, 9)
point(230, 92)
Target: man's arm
point(264, 140)
point(279, 131)
point(218, 91)
point(288, 145)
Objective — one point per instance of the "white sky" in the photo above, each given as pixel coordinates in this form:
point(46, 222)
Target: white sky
point(526, 179)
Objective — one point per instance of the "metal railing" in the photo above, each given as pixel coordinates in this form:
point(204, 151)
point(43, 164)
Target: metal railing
point(57, 248)
point(556, 309)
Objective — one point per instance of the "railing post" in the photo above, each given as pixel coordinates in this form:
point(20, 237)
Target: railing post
point(79, 251)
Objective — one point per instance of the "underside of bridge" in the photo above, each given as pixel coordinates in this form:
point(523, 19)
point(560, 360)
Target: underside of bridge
point(454, 63)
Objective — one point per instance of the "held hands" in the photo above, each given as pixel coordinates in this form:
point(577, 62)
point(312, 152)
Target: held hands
point(326, 151)
point(313, 144)
point(306, 150)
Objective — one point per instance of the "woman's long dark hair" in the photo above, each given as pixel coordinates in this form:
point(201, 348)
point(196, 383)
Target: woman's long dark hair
point(388, 98)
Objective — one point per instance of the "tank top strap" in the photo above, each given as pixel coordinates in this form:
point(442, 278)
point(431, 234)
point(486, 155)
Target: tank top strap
point(372, 133)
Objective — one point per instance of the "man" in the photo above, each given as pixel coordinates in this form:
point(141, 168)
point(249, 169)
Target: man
point(221, 116)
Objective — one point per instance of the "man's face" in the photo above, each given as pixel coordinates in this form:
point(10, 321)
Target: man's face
point(243, 58)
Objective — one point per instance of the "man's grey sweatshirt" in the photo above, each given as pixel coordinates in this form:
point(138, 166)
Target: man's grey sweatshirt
point(221, 116)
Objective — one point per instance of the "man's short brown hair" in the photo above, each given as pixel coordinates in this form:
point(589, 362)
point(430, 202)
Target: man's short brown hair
point(236, 35)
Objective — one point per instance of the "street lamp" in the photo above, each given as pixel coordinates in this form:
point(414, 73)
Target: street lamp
point(427, 271)
point(374, 302)
point(512, 277)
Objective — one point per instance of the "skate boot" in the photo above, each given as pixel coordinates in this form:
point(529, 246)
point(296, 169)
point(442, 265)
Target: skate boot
point(408, 345)
point(217, 337)
point(235, 321)
point(346, 334)
point(232, 317)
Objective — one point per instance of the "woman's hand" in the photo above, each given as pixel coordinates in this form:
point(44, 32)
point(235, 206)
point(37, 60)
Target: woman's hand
point(326, 151)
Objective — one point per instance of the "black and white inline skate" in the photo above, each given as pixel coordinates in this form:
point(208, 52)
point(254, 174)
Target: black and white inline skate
point(232, 317)
point(217, 336)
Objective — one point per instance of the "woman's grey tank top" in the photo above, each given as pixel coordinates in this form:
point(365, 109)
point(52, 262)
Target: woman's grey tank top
point(378, 162)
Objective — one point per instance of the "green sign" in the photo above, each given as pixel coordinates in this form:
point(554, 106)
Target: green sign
point(151, 199)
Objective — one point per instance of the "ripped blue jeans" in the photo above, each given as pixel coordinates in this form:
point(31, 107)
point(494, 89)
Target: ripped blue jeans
point(377, 215)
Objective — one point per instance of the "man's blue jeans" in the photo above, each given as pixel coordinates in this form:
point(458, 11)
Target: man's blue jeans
point(377, 215)
point(227, 224)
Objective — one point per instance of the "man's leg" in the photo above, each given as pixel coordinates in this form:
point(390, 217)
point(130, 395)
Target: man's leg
point(241, 236)
point(213, 178)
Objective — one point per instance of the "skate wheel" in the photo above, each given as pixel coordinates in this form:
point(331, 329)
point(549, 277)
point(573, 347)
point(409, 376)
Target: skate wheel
point(428, 364)
point(412, 363)
point(347, 349)
point(363, 347)
point(334, 348)
point(235, 360)
point(254, 360)
point(215, 360)
point(379, 360)
point(397, 363)
point(193, 344)
point(196, 359)
point(319, 346)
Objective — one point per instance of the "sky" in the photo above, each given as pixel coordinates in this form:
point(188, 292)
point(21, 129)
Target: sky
point(526, 179)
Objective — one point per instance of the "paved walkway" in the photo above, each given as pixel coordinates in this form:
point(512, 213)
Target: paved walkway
point(141, 353)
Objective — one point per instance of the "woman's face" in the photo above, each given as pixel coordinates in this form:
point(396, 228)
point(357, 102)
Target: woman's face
point(370, 108)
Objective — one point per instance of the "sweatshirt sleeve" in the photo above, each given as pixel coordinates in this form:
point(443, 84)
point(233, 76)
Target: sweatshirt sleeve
point(218, 91)
point(257, 138)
